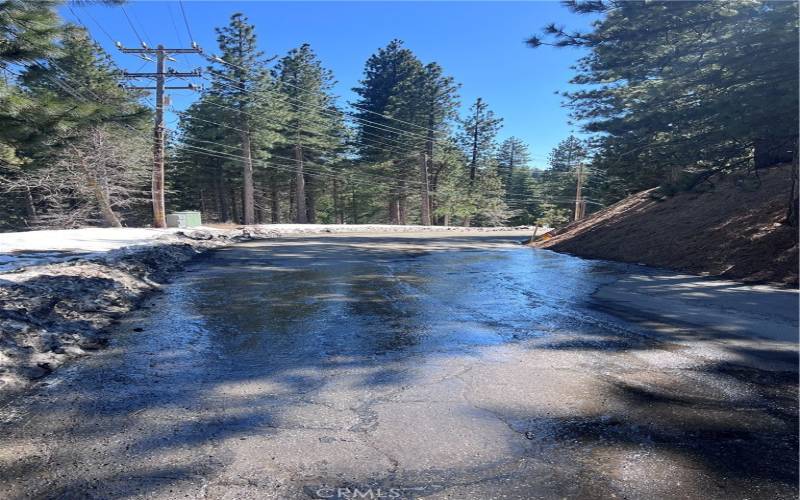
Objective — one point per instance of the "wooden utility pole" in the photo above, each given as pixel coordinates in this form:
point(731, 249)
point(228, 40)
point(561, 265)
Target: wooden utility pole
point(578, 194)
point(425, 200)
point(160, 76)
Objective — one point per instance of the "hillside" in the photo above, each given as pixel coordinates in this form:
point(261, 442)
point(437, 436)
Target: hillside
point(729, 231)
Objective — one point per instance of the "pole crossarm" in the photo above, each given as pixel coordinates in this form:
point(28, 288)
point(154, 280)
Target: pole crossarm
point(160, 50)
point(185, 87)
point(177, 74)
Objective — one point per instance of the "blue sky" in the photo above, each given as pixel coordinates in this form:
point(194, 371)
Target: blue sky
point(480, 44)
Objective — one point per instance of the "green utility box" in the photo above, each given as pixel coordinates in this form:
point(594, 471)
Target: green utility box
point(187, 218)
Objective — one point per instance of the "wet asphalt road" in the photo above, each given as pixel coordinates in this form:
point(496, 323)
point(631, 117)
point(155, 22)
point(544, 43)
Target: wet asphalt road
point(455, 366)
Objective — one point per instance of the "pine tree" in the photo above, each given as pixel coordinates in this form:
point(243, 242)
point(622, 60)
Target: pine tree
point(388, 137)
point(478, 141)
point(512, 154)
point(237, 84)
point(77, 89)
point(75, 164)
point(478, 136)
point(439, 102)
point(314, 126)
point(559, 181)
point(202, 168)
point(29, 30)
point(676, 88)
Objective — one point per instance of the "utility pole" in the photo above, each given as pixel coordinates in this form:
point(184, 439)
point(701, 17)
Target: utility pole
point(579, 204)
point(160, 76)
point(423, 177)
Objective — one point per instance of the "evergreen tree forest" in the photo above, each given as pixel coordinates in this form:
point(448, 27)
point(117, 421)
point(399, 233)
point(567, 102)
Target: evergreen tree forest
point(669, 93)
point(674, 92)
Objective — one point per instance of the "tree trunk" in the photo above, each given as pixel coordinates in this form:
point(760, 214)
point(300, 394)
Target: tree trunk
point(30, 207)
point(402, 205)
point(299, 187)
point(274, 210)
point(103, 202)
point(425, 203)
point(394, 209)
point(234, 207)
point(446, 220)
point(465, 222)
point(354, 207)
point(248, 198)
point(219, 188)
point(473, 165)
point(292, 204)
point(311, 200)
point(101, 197)
point(338, 214)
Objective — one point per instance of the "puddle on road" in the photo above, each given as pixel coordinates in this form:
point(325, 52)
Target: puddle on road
point(254, 307)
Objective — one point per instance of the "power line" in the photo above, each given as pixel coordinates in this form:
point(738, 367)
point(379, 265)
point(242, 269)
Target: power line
point(272, 120)
point(178, 36)
point(323, 109)
point(75, 93)
point(130, 23)
point(102, 29)
point(410, 182)
point(397, 181)
point(360, 176)
point(186, 21)
point(272, 155)
point(219, 59)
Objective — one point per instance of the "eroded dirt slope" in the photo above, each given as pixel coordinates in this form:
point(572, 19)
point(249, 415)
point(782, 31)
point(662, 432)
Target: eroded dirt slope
point(732, 230)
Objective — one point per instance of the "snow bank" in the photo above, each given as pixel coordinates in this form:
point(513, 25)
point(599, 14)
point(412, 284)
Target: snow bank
point(29, 248)
point(90, 239)
point(33, 248)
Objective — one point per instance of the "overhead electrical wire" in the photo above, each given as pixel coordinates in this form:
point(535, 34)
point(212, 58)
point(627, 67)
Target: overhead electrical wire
point(407, 181)
point(186, 21)
point(88, 12)
point(372, 142)
point(77, 94)
point(219, 59)
point(361, 121)
point(130, 23)
point(359, 177)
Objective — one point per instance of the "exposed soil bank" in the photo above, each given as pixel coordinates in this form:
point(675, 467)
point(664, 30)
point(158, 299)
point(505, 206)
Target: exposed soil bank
point(734, 230)
point(55, 312)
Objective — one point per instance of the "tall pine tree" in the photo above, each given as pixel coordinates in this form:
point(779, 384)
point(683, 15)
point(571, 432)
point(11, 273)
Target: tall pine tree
point(314, 127)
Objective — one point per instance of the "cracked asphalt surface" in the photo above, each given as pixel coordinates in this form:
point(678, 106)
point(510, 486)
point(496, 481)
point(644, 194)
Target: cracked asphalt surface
point(420, 365)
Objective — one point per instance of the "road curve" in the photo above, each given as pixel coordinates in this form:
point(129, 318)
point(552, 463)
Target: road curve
point(419, 365)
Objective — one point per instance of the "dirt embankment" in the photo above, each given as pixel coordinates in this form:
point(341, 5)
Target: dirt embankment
point(731, 230)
